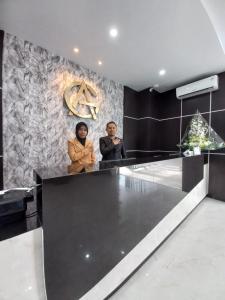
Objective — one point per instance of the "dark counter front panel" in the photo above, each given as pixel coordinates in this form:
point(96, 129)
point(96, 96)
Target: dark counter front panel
point(192, 170)
point(216, 176)
point(91, 221)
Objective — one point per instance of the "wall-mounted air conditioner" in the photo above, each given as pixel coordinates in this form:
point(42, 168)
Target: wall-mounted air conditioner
point(206, 85)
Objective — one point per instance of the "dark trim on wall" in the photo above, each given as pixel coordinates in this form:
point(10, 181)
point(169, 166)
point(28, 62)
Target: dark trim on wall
point(1, 133)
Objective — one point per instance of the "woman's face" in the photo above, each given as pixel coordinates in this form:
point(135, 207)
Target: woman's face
point(82, 132)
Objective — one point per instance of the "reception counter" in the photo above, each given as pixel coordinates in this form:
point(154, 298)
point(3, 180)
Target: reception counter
point(99, 225)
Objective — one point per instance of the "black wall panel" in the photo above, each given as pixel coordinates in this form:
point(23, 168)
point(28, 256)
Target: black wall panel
point(218, 124)
point(143, 154)
point(148, 137)
point(1, 146)
point(1, 56)
point(200, 103)
point(165, 135)
point(130, 128)
point(169, 105)
point(169, 131)
point(142, 134)
point(131, 105)
point(1, 177)
point(148, 103)
point(218, 97)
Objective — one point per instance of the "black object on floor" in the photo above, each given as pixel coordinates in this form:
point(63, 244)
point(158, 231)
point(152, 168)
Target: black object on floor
point(14, 217)
point(13, 206)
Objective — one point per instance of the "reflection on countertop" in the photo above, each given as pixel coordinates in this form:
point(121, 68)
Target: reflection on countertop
point(65, 170)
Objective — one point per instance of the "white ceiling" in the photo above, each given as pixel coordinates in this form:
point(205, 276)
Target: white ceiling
point(216, 12)
point(178, 35)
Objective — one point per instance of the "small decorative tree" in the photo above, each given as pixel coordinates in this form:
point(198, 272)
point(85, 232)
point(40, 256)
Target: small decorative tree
point(200, 134)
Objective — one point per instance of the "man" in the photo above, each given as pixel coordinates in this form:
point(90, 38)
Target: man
point(112, 147)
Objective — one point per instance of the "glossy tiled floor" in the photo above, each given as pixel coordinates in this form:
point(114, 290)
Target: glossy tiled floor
point(21, 267)
point(189, 265)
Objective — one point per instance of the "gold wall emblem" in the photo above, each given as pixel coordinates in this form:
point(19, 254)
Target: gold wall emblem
point(81, 100)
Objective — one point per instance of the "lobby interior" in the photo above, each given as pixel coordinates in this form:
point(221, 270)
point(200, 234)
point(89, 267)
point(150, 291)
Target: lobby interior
point(147, 226)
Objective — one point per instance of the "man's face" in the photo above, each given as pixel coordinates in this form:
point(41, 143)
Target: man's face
point(111, 129)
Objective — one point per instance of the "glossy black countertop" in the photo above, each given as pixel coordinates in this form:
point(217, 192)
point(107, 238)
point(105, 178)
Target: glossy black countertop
point(92, 222)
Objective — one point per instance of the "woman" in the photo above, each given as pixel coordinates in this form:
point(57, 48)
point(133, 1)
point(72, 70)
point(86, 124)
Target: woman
point(81, 150)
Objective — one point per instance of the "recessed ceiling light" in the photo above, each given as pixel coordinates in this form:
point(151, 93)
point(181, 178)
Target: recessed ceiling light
point(99, 62)
point(162, 72)
point(76, 50)
point(113, 32)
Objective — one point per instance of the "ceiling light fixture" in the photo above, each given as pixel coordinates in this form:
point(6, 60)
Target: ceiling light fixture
point(113, 32)
point(99, 62)
point(162, 72)
point(76, 50)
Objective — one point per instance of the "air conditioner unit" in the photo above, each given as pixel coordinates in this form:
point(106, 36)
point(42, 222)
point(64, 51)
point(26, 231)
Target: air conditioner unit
point(206, 85)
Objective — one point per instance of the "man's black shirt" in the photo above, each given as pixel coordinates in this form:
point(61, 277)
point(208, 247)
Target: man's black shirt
point(110, 151)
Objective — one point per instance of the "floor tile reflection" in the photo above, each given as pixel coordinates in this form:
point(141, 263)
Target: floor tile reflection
point(21, 271)
point(189, 265)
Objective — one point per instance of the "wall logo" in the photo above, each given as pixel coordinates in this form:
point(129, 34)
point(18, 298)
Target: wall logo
point(82, 100)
